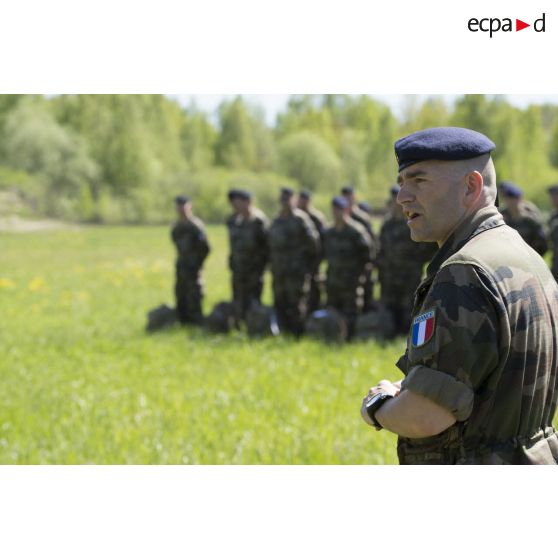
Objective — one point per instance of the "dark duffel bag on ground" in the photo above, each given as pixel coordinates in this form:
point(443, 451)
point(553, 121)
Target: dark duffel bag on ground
point(327, 325)
point(160, 318)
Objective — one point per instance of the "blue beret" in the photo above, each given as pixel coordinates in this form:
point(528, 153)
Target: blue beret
point(305, 194)
point(287, 192)
point(394, 190)
point(232, 194)
point(553, 189)
point(244, 194)
point(510, 190)
point(181, 200)
point(346, 190)
point(340, 202)
point(364, 206)
point(442, 144)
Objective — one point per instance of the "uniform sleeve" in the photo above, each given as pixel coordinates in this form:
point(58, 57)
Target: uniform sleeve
point(364, 244)
point(450, 357)
point(539, 242)
point(312, 239)
point(203, 245)
point(262, 239)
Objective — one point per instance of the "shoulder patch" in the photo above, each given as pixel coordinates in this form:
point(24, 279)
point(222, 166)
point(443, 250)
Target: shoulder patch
point(423, 328)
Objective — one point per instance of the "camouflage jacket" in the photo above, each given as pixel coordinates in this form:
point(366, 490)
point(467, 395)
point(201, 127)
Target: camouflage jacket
point(319, 220)
point(530, 226)
point(553, 234)
point(294, 243)
point(363, 218)
point(347, 251)
point(320, 223)
point(191, 244)
point(248, 242)
point(400, 258)
point(484, 344)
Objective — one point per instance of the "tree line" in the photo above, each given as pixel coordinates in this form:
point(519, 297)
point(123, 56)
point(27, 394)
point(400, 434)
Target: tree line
point(122, 158)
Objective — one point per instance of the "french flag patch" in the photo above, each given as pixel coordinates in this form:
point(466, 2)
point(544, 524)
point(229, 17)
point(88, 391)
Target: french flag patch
point(423, 328)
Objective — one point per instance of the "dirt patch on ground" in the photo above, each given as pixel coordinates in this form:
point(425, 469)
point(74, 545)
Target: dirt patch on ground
point(20, 225)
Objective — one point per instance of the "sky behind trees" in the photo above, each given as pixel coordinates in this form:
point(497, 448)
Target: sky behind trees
point(274, 104)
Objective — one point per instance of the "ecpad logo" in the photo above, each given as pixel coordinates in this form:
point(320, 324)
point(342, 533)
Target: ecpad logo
point(493, 25)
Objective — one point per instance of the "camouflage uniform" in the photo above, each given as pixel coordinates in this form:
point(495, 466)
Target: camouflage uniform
point(294, 245)
point(400, 263)
point(367, 281)
point(192, 247)
point(529, 225)
point(553, 234)
point(248, 258)
point(320, 223)
point(492, 356)
point(347, 251)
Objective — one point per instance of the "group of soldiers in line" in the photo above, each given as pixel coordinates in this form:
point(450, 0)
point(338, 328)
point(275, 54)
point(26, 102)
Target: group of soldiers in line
point(295, 245)
point(297, 242)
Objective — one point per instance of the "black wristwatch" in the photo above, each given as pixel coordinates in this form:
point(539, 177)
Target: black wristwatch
point(372, 406)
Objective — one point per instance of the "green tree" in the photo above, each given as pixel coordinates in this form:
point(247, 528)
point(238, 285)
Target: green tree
point(198, 139)
point(244, 141)
point(309, 160)
point(37, 144)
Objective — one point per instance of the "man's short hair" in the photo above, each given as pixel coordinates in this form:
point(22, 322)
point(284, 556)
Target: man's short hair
point(181, 200)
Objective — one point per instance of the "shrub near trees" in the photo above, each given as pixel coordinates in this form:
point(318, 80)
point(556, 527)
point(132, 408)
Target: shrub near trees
point(122, 158)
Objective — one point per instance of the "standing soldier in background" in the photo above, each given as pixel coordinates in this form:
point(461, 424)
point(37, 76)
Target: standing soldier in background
point(523, 216)
point(231, 196)
point(249, 251)
point(347, 249)
point(188, 235)
point(553, 228)
point(400, 263)
point(294, 246)
point(320, 223)
point(358, 215)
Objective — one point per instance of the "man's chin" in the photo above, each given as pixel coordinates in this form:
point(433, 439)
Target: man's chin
point(416, 236)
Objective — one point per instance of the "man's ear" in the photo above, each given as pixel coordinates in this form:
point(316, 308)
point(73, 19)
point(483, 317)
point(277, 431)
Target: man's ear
point(474, 183)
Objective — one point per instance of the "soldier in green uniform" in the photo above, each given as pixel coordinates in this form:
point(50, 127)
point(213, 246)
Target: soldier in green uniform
point(347, 250)
point(249, 252)
point(320, 222)
point(524, 217)
point(553, 229)
point(188, 235)
point(400, 264)
point(362, 217)
point(294, 246)
point(481, 381)
point(231, 196)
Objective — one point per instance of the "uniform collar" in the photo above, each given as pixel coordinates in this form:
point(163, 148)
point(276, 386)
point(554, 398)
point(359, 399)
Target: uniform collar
point(485, 219)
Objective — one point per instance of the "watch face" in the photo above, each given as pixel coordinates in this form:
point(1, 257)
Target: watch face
point(373, 400)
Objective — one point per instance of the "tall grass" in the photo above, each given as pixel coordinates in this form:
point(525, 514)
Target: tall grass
point(80, 381)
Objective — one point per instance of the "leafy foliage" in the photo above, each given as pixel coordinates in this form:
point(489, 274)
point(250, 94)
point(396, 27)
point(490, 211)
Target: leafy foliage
point(122, 158)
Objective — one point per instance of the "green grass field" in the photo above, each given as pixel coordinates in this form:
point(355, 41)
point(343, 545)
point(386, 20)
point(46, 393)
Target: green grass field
point(80, 381)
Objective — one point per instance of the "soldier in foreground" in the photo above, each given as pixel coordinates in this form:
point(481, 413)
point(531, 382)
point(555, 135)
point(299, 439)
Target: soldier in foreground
point(318, 218)
point(188, 235)
point(524, 217)
point(480, 371)
point(400, 264)
point(362, 217)
point(294, 246)
point(553, 229)
point(347, 250)
point(249, 252)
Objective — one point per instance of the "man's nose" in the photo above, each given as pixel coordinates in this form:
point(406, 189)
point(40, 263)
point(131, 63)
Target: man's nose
point(403, 196)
